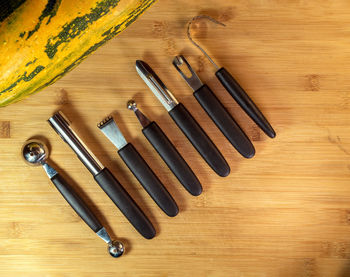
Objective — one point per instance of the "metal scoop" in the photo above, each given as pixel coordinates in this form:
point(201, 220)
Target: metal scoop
point(36, 153)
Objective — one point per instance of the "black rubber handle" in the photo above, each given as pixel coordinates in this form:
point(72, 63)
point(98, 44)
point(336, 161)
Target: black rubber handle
point(148, 179)
point(77, 203)
point(199, 139)
point(125, 203)
point(172, 158)
point(224, 121)
point(244, 101)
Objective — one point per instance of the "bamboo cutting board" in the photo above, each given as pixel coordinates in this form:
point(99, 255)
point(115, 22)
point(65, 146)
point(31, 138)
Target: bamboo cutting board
point(286, 212)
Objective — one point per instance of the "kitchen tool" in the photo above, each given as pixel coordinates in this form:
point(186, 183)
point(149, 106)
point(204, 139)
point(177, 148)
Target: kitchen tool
point(138, 166)
point(232, 86)
point(36, 153)
point(103, 177)
point(167, 151)
point(216, 110)
point(184, 120)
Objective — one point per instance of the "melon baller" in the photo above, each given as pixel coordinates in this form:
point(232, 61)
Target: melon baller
point(35, 153)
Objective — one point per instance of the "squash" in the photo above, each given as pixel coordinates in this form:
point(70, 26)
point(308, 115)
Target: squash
point(42, 40)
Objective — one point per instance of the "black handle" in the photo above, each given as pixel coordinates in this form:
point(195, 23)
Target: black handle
point(224, 121)
point(244, 101)
point(148, 179)
point(77, 203)
point(199, 139)
point(172, 158)
point(125, 203)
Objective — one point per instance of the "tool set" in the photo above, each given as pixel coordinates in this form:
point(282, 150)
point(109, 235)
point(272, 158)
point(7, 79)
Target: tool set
point(215, 109)
point(184, 120)
point(36, 153)
point(103, 177)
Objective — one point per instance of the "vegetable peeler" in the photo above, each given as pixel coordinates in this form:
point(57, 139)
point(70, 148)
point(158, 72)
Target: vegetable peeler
point(216, 110)
point(184, 120)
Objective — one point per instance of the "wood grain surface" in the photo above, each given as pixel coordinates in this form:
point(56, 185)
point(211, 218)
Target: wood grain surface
point(286, 212)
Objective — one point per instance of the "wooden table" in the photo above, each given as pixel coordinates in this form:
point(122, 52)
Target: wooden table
point(286, 212)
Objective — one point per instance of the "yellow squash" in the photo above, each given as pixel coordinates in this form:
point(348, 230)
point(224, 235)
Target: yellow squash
point(42, 40)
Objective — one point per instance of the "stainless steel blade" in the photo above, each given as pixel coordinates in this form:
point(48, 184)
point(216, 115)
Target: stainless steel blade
point(193, 81)
point(156, 85)
point(110, 129)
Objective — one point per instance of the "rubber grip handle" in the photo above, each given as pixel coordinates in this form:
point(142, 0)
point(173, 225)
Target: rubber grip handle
point(242, 98)
point(172, 158)
point(148, 179)
point(77, 203)
point(224, 121)
point(125, 203)
point(199, 139)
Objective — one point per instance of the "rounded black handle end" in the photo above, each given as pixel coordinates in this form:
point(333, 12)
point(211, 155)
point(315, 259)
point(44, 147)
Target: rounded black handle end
point(176, 163)
point(199, 139)
point(242, 98)
point(148, 179)
point(224, 121)
point(224, 171)
point(125, 203)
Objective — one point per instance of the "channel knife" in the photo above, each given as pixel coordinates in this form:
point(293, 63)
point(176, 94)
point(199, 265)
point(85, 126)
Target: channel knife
point(138, 166)
point(184, 120)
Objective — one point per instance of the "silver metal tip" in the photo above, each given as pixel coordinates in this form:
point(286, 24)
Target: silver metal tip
point(116, 249)
point(104, 122)
point(178, 60)
point(190, 77)
point(109, 127)
point(143, 68)
point(131, 105)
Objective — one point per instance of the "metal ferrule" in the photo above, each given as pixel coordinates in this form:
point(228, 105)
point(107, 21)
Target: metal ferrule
point(102, 233)
point(111, 130)
point(156, 85)
point(61, 126)
point(131, 105)
point(51, 172)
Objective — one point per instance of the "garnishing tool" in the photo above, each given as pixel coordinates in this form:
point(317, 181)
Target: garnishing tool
point(184, 120)
point(167, 151)
point(216, 110)
point(138, 166)
point(232, 86)
point(36, 153)
point(103, 177)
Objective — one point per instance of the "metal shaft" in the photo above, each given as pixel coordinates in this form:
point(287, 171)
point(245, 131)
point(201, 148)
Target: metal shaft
point(61, 126)
point(156, 85)
point(195, 43)
point(131, 105)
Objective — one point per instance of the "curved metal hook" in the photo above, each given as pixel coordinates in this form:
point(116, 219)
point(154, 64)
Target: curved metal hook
point(196, 44)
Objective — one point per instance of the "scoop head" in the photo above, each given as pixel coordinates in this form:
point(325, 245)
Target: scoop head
point(131, 105)
point(116, 249)
point(35, 152)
